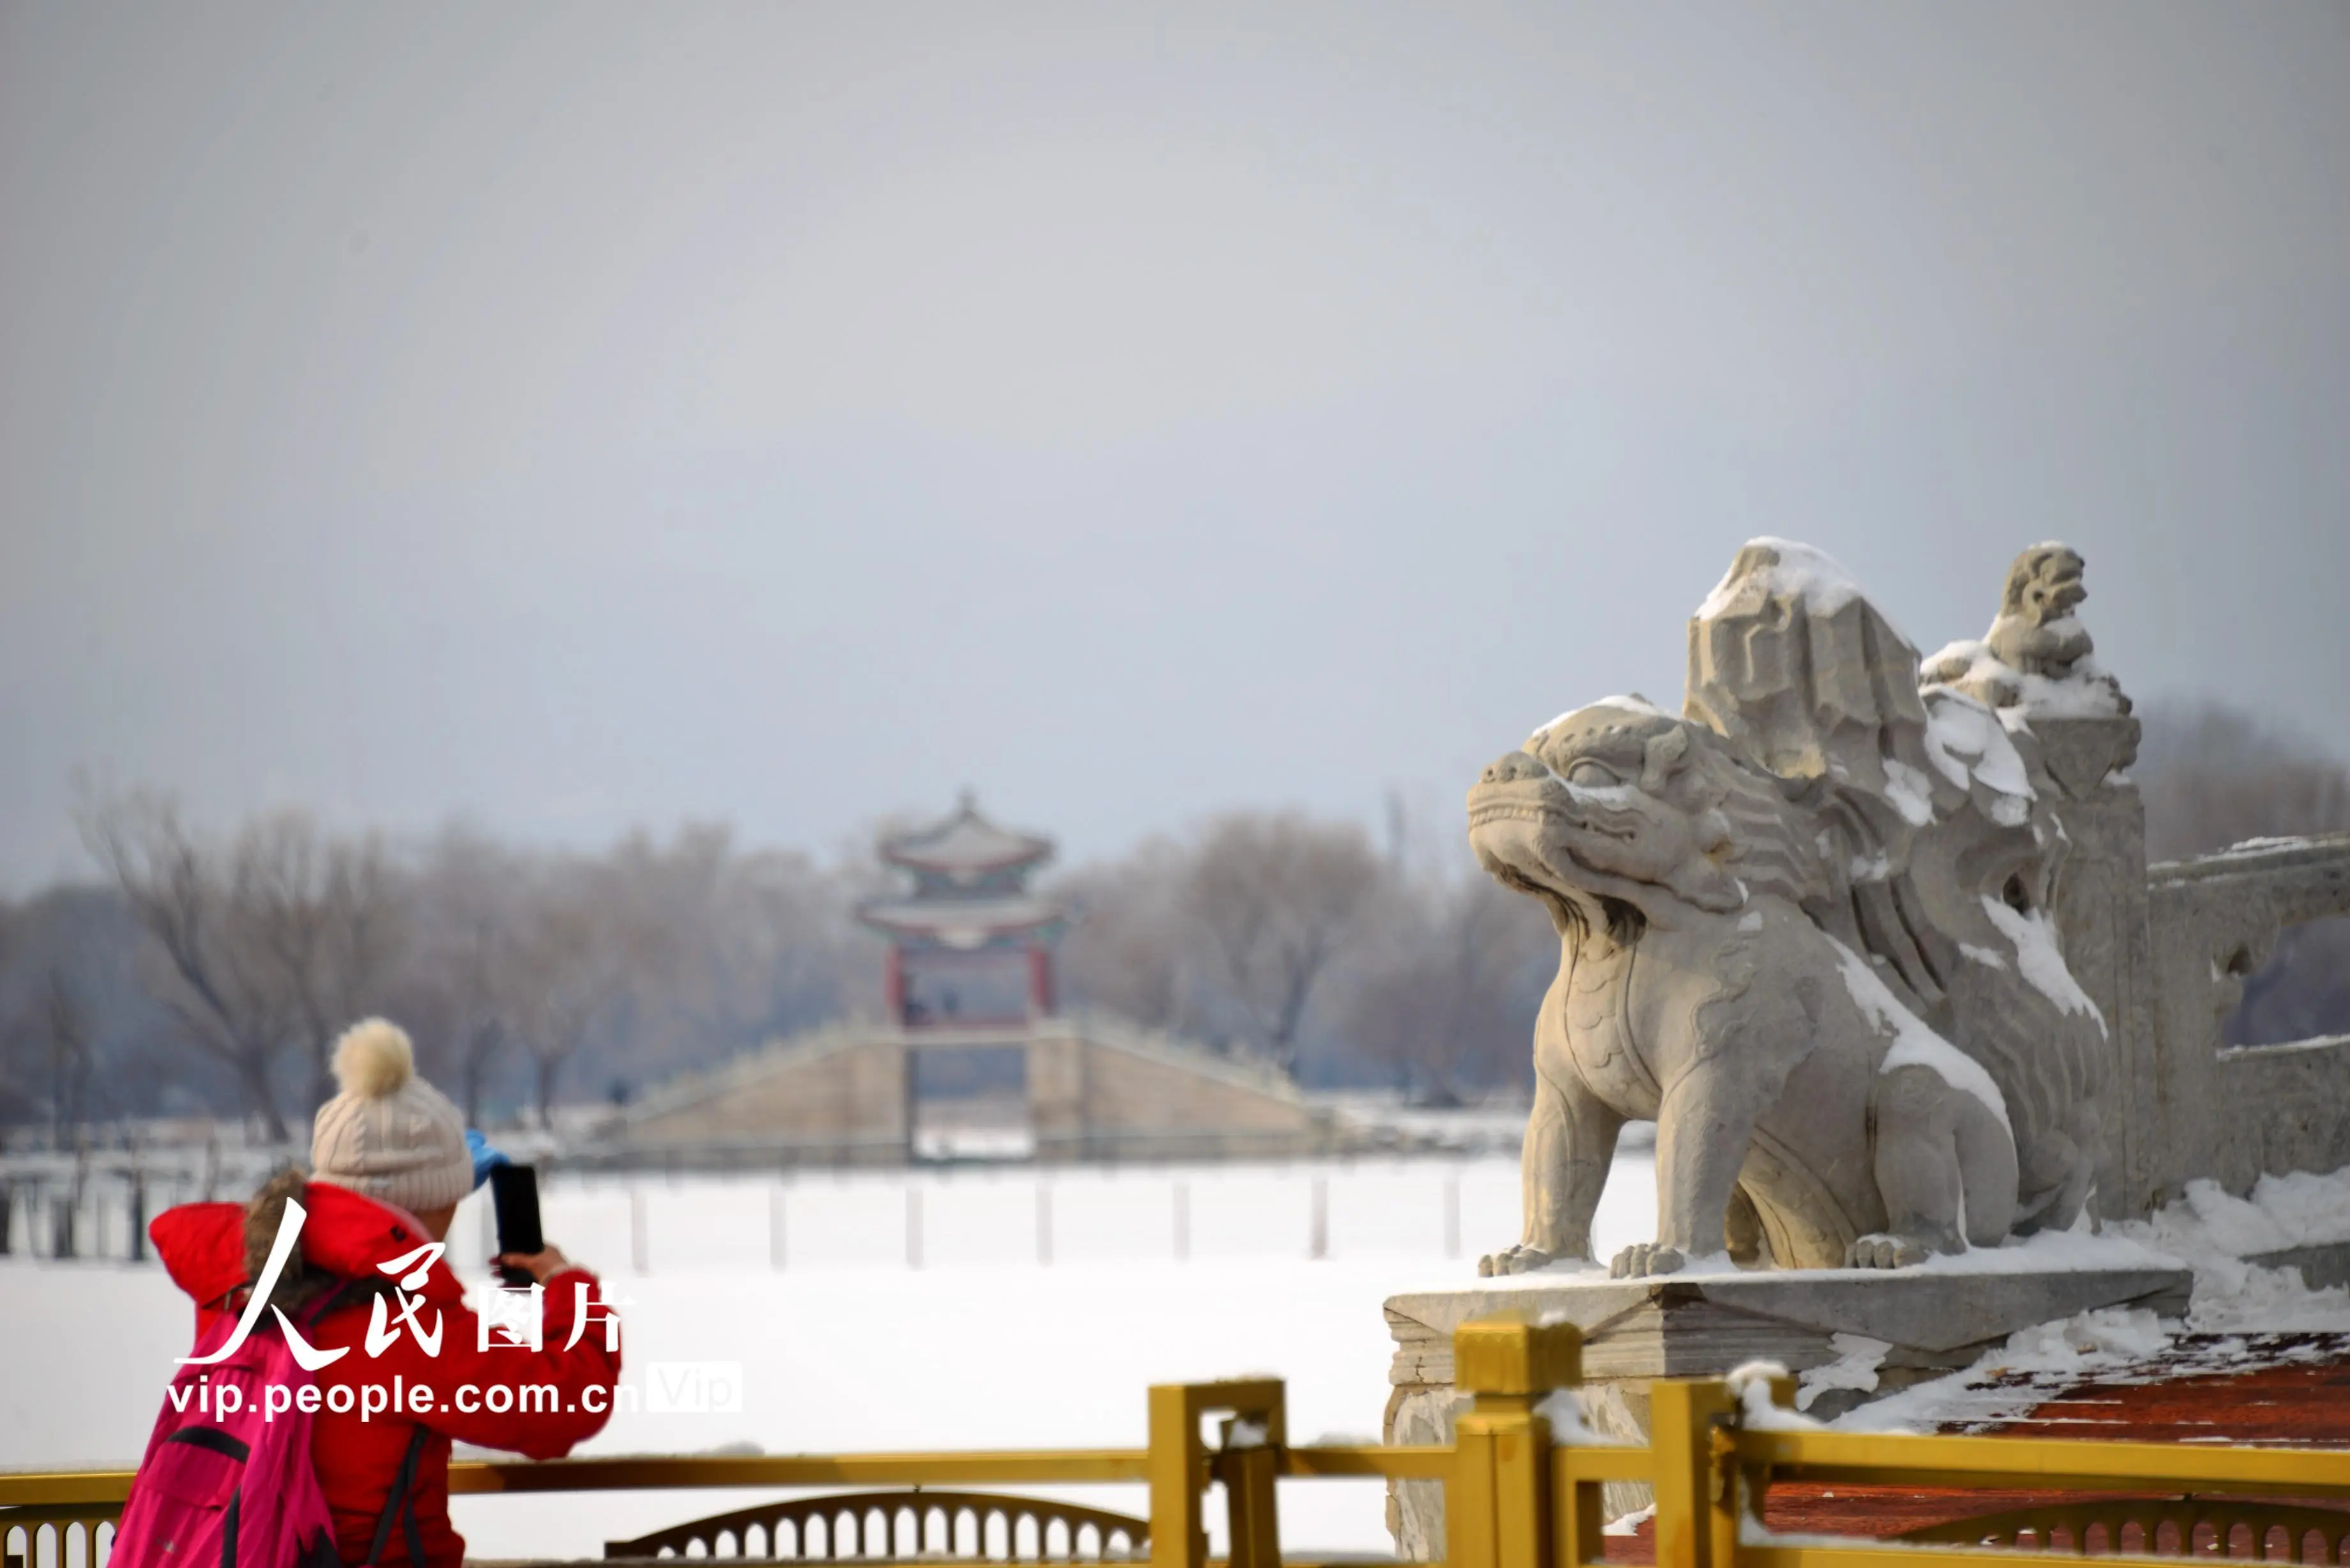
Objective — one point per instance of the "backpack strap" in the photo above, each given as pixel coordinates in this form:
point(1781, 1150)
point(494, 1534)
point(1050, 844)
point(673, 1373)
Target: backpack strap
point(344, 1290)
point(401, 1504)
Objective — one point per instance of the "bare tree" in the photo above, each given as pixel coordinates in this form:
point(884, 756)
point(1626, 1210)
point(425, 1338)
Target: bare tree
point(324, 913)
point(274, 943)
point(768, 954)
point(1131, 948)
point(1446, 1001)
point(1408, 967)
point(1278, 896)
point(729, 948)
point(655, 956)
point(569, 972)
point(71, 1060)
point(18, 1095)
point(216, 977)
point(2212, 776)
point(458, 987)
point(80, 1036)
point(522, 972)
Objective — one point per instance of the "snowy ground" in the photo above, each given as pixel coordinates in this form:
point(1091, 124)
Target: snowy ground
point(1154, 1275)
point(846, 1347)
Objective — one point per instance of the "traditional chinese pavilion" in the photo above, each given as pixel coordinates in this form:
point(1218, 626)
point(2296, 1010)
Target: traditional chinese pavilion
point(970, 977)
point(969, 943)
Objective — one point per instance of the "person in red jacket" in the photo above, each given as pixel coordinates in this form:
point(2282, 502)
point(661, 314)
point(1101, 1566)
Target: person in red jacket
point(390, 1164)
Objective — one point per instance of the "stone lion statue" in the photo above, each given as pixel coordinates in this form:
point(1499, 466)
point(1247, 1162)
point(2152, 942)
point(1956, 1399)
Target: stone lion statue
point(2036, 645)
point(1803, 929)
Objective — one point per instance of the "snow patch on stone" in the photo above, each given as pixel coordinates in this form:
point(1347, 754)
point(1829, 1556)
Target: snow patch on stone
point(1630, 1523)
point(2037, 960)
point(2071, 699)
point(1800, 572)
point(1913, 1043)
point(2214, 1233)
point(1629, 703)
point(2083, 693)
point(1858, 1357)
point(1911, 792)
point(1750, 1383)
point(1965, 739)
point(2059, 1352)
point(1563, 1408)
point(1620, 795)
point(2261, 846)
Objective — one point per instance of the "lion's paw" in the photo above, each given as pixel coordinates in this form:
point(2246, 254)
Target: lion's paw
point(1883, 1251)
point(1518, 1260)
point(1644, 1258)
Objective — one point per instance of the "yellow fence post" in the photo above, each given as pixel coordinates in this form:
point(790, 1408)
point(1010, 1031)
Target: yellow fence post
point(1697, 1522)
point(1578, 1525)
point(1178, 1470)
point(1250, 1521)
point(1178, 1464)
point(1497, 1506)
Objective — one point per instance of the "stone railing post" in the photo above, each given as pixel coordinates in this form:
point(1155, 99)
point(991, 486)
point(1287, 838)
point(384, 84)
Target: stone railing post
point(2100, 897)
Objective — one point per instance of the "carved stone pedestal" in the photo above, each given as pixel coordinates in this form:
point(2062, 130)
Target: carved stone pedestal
point(1703, 1326)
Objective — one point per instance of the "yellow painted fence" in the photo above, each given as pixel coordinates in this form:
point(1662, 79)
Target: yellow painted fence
point(1513, 1499)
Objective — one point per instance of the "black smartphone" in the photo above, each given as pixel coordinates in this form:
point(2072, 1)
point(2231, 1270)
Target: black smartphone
point(514, 1193)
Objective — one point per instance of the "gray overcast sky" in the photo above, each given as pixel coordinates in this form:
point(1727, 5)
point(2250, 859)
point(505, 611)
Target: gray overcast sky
point(572, 417)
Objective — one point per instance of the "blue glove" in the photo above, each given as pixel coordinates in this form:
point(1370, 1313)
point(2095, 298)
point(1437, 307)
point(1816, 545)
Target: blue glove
point(484, 1157)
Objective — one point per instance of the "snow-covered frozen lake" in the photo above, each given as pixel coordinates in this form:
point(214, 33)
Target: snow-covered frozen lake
point(1007, 1307)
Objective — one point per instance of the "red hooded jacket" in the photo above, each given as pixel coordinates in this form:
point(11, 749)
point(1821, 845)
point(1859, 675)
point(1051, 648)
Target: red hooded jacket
point(559, 1396)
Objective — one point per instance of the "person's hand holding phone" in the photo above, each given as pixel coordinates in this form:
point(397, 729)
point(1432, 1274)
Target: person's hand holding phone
point(541, 1266)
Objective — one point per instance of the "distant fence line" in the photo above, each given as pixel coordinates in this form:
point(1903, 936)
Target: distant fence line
point(58, 1214)
point(236, 1168)
point(92, 1202)
point(1149, 1147)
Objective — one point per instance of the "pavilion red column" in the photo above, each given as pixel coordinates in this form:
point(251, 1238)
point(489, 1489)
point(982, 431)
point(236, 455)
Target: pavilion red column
point(1040, 981)
point(893, 983)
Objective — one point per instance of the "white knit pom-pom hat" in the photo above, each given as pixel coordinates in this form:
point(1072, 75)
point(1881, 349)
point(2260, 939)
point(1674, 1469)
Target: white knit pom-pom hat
point(389, 1134)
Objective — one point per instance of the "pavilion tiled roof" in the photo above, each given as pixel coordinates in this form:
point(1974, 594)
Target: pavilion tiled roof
point(966, 845)
point(961, 922)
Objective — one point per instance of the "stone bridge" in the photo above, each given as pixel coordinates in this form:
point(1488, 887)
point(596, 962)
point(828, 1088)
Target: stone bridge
point(1097, 1089)
point(2164, 950)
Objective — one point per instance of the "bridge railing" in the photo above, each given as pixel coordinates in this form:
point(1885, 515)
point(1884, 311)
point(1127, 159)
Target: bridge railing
point(1518, 1493)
